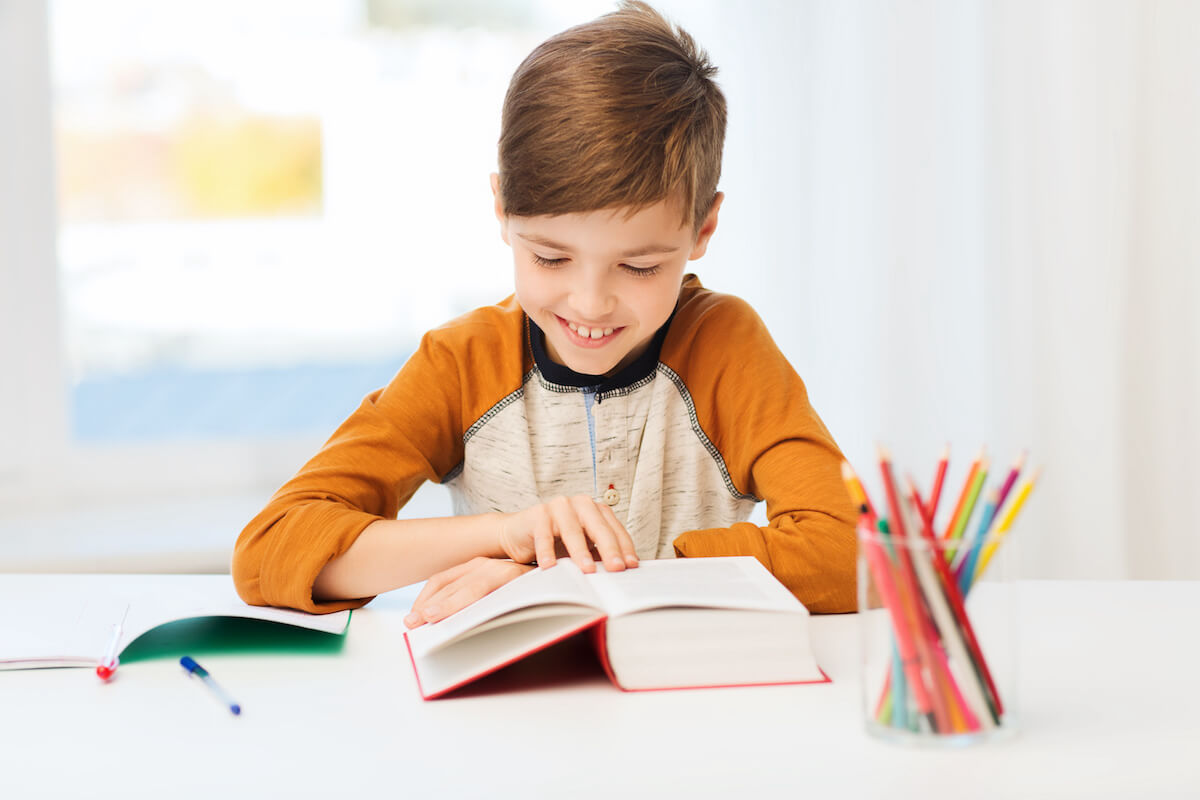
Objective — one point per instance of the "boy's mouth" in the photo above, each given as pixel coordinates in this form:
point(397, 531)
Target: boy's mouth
point(588, 337)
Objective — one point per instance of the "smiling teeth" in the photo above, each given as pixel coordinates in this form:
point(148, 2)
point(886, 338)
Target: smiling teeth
point(589, 333)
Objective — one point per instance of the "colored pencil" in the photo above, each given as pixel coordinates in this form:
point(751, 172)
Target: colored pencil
point(953, 624)
point(963, 565)
point(972, 541)
point(1005, 524)
point(962, 496)
point(857, 493)
point(877, 563)
point(969, 508)
point(923, 627)
point(959, 609)
point(938, 479)
point(1009, 482)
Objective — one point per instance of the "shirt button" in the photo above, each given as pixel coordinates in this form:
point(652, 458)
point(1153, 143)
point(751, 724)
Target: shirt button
point(611, 496)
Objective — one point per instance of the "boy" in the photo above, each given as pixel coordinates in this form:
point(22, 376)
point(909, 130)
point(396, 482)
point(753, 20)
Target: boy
point(612, 408)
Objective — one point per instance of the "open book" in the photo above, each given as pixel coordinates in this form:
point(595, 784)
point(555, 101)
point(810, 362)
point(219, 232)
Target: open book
point(41, 627)
point(668, 624)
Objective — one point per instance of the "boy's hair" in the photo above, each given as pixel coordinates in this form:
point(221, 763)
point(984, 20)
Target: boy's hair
point(618, 112)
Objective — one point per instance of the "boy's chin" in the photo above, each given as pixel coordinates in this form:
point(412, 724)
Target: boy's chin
point(597, 365)
point(591, 367)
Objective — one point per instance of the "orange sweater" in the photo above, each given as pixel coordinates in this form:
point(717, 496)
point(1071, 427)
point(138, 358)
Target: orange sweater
point(710, 420)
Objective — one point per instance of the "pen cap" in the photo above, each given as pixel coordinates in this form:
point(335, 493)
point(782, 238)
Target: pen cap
point(938, 641)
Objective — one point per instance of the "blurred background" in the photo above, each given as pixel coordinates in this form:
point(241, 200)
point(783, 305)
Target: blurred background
point(223, 223)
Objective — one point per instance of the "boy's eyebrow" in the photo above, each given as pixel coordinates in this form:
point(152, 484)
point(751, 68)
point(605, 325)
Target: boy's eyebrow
point(649, 249)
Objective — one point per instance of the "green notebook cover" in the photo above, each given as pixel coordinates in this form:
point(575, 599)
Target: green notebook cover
point(202, 636)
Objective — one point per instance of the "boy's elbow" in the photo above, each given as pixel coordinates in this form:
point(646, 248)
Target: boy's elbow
point(246, 569)
point(822, 564)
point(838, 590)
point(249, 561)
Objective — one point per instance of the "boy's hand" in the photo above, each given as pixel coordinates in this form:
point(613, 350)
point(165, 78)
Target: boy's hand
point(456, 588)
point(579, 523)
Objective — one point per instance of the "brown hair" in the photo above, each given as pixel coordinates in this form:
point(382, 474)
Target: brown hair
point(618, 112)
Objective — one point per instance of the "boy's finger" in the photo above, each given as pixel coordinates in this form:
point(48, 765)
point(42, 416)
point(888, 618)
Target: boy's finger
point(435, 584)
point(570, 531)
point(543, 541)
point(601, 532)
point(464, 591)
point(624, 540)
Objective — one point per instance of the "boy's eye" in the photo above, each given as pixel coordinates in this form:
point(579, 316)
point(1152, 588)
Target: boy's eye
point(547, 262)
point(640, 272)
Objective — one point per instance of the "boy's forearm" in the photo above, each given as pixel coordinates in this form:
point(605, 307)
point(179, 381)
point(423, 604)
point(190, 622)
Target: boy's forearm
point(811, 553)
point(389, 554)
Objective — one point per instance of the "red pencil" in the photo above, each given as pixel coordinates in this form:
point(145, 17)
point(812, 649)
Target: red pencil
point(960, 614)
point(939, 479)
point(924, 627)
point(880, 567)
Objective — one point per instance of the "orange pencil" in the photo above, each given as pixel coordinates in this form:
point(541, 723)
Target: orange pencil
point(966, 491)
point(857, 493)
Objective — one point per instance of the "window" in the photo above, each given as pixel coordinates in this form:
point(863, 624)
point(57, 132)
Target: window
point(259, 203)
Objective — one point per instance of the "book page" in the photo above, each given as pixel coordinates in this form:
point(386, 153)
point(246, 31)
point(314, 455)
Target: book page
point(562, 583)
point(67, 620)
point(729, 582)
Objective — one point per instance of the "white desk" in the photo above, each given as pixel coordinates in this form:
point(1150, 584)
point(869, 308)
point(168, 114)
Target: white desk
point(1108, 697)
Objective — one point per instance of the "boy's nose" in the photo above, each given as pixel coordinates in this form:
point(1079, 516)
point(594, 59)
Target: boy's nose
point(593, 301)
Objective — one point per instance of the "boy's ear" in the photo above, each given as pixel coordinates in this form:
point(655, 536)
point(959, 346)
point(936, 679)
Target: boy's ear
point(707, 227)
point(500, 215)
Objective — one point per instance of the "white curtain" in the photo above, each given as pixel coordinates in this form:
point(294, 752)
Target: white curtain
point(979, 223)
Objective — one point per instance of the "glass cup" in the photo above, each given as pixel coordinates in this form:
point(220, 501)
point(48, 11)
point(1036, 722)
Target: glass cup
point(937, 620)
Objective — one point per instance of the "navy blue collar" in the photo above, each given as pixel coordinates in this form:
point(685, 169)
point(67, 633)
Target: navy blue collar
point(556, 373)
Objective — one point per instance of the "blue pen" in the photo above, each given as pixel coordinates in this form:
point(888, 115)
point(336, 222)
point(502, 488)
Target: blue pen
point(200, 672)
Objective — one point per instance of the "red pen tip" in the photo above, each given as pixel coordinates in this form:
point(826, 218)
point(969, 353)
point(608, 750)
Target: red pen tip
point(105, 672)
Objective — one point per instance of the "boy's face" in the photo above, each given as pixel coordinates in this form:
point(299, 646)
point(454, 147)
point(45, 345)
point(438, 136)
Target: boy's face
point(600, 284)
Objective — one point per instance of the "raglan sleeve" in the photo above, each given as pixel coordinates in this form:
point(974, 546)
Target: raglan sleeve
point(755, 408)
point(399, 437)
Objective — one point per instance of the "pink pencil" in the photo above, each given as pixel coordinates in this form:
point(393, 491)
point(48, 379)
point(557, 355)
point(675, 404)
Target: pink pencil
point(1007, 486)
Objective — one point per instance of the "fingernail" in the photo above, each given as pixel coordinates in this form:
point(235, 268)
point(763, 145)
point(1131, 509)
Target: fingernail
point(432, 612)
point(412, 618)
point(616, 563)
point(631, 560)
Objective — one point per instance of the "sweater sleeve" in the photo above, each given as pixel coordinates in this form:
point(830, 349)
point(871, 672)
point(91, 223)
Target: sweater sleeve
point(755, 409)
point(399, 437)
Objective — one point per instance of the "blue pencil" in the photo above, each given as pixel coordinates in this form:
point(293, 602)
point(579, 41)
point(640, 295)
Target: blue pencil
point(966, 567)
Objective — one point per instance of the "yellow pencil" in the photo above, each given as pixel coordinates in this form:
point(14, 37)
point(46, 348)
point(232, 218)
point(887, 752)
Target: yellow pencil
point(857, 493)
point(1005, 524)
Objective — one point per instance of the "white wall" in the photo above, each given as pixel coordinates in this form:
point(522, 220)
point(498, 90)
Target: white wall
point(977, 222)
